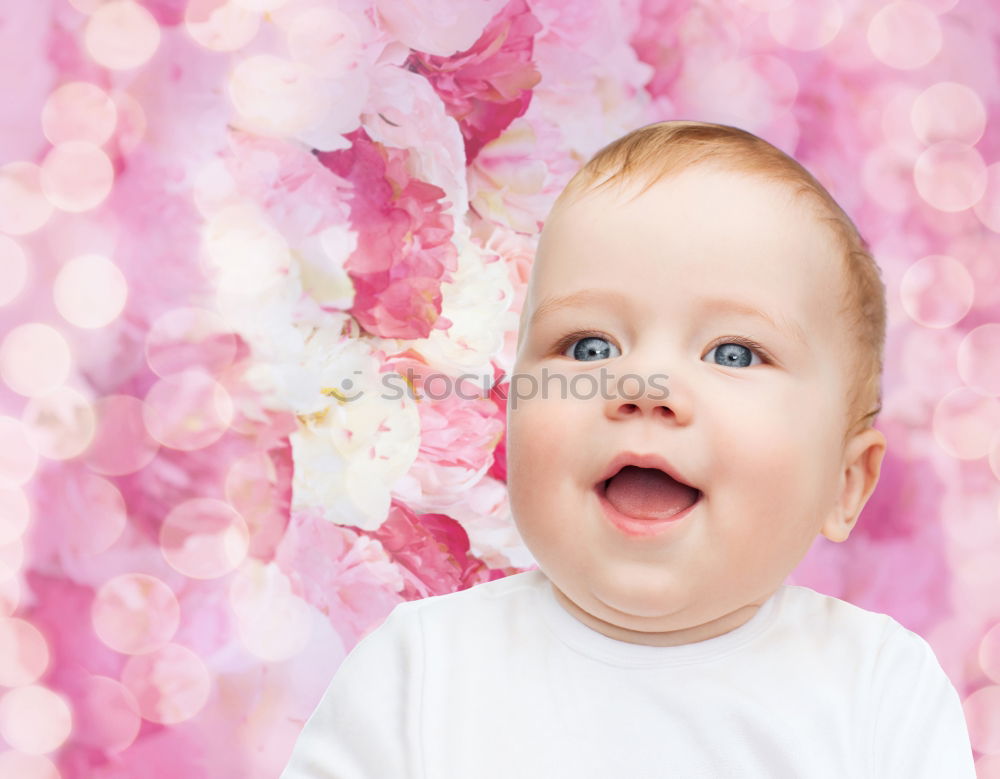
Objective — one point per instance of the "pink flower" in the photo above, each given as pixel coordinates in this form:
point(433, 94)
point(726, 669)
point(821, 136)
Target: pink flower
point(404, 249)
point(460, 426)
point(432, 550)
point(498, 394)
point(299, 194)
point(517, 251)
point(515, 178)
point(488, 86)
point(439, 27)
point(339, 571)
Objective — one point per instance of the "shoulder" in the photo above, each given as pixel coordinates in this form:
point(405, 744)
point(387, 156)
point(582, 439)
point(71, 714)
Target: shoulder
point(832, 621)
point(893, 643)
point(907, 660)
point(477, 619)
point(908, 708)
point(919, 728)
point(493, 596)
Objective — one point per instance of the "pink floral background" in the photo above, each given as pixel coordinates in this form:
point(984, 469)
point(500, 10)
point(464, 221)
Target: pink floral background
point(225, 225)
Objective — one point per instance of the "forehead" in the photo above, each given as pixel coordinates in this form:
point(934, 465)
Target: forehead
point(705, 232)
point(697, 197)
point(699, 219)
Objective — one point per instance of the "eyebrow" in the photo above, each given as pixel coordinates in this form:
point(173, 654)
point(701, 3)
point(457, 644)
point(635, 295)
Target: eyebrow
point(582, 298)
point(784, 325)
point(585, 297)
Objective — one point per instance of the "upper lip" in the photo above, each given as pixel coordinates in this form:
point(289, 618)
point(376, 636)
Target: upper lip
point(642, 461)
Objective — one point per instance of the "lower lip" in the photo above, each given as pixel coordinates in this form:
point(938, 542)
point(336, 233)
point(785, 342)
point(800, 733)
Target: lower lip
point(640, 527)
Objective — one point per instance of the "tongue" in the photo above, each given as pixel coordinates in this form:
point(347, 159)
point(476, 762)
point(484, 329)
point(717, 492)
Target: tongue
point(647, 493)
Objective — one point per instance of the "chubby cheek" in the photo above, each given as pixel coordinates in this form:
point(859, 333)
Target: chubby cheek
point(745, 441)
point(537, 466)
point(773, 466)
point(529, 450)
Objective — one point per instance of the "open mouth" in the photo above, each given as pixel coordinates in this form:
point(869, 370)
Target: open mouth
point(647, 493)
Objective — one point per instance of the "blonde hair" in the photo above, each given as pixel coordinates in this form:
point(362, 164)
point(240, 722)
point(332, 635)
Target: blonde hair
point(659, 150)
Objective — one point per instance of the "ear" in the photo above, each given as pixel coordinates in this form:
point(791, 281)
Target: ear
point(861, 466)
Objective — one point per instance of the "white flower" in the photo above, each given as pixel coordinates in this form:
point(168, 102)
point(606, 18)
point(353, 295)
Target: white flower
point(484, 512)
point(321, 266)
point(476, 301)
point(356, 437)
point(346, 462)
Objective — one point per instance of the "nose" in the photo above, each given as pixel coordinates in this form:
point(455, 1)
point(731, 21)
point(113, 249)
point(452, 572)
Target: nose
point(656, 395)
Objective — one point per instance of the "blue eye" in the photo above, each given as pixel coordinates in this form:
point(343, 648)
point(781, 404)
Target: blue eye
point(737, 353)
point(588, 347)
point(732, 352)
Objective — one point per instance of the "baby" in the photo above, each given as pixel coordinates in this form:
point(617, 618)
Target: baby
point(697, 373)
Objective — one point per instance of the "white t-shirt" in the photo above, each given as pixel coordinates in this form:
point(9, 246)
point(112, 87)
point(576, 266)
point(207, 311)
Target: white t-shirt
point(499, 680)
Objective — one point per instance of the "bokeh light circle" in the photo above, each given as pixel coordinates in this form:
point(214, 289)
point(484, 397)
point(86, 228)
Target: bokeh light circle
point(17, 764)
point(978, 250)
point(261, 6)
point(10, 598)
point(106, 516)
point(887, 177)
point(275, 96)
point(185, 338)
point(87, 6)
point(965, 422)
point(61, 423)
point(171, 685)
point(950, 176)
point(90, 291)
point(897, 121)
point(15, 514)
point(11, 559)
point(244, 254)
point(131, 122)
point(77, 176)
point(34, 719)
point(904, 35)
point(108, 716)
point(273, 623)
point(989, 653)
point(221, 25)
point(135, 613)
point(765, 6)
point(34, 359)
point(939, 6)
point(188, 410)
point(13, 269)
point(79, 111)
point(982, 713)
point(204, 538)
point(979, 359)
point(122, 444)
point(23, 206)
point(24, 652)
point(988, 207)
point(250, 489)
point(18, 458)
point(213, 187)
point(937, 291)
point(121, 35)
point(948, 111)
point(806, 26)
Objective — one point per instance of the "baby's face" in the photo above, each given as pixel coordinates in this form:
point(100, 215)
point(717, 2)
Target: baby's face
point(758, 432)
